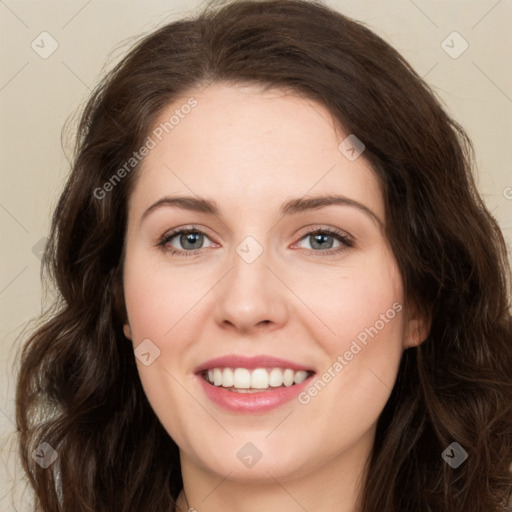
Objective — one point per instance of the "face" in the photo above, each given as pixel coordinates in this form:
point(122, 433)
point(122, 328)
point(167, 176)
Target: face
point(302, 301)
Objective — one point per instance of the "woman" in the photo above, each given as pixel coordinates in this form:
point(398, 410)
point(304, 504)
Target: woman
point(279, 287)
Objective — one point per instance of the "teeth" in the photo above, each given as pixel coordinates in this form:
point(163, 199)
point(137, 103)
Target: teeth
point(217, 377)
point(228, 377)
point(241, 378)
point(288, 377)
point(259, 378)
point(276, 378)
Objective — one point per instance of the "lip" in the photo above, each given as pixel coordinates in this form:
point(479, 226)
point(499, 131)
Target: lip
point(254, 402)
point(238, 361)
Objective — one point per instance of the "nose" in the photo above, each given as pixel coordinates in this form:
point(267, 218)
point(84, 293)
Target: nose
point(252, 297)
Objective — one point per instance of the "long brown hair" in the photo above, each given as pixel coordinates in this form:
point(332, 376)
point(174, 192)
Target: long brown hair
point(78, 388)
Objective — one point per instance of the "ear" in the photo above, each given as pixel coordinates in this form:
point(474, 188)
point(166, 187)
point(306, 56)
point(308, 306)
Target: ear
point(127, 331)
point(417, 329)
point(119, 302)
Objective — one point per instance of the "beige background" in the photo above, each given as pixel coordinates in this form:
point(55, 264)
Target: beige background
point(38, 95)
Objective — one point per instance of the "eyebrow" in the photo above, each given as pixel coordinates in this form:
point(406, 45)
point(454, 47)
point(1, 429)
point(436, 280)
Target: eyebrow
point(291, 207)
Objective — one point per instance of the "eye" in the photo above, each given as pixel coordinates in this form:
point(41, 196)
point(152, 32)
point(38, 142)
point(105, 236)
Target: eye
point(324, 240)
point(183, 242)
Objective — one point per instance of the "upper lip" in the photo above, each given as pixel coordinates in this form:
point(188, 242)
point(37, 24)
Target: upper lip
point(239, 361)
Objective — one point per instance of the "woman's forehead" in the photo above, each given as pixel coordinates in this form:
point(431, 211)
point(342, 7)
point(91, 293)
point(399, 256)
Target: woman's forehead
point(243, 144)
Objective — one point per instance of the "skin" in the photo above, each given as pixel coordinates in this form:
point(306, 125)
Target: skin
point(250, 151)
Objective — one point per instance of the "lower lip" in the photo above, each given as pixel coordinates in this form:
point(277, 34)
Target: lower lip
point(254, 401)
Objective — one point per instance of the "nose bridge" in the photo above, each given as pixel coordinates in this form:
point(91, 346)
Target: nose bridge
point(250, 294)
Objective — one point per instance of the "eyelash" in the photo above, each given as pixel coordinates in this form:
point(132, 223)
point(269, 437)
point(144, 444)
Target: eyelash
point(346, 242)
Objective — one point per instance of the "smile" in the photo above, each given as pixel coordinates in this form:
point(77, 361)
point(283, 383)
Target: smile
point(252, 384)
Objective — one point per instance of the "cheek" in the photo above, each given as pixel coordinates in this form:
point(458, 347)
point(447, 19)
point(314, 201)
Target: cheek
point(365, 312)
point(156, 298)
point(357, 302)
point(362, 313)
point(155, 303)
point(146, 309)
